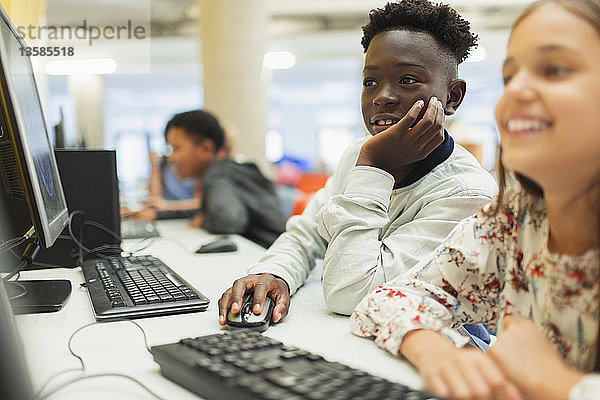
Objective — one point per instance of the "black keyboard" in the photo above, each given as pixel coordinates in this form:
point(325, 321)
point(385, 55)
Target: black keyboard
point(135, 287)
point(133, 229)
point(243, 364)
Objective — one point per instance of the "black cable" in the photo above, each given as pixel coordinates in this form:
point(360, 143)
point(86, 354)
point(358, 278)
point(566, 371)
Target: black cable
point(144, 247)
point(17, 284)
point(117, 249)
point(15, 255)
point(96, 251)
point(26, 258)
point(81, 245)
point(70, 228)
point(104, 228)
point(108, 246)
point(14, 272)
point(11, 243)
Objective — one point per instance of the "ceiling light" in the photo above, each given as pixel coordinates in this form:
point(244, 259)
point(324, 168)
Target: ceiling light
point(279, 60)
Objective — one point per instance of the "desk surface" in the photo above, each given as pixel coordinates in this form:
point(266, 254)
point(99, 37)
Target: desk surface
point(119, 347)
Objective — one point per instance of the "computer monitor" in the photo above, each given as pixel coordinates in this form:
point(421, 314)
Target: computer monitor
point(27, 155)
point(27, 160)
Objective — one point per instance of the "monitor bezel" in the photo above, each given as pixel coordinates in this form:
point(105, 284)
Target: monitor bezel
point(47, 231)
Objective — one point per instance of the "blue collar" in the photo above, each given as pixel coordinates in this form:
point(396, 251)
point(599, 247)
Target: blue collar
point(426, 165)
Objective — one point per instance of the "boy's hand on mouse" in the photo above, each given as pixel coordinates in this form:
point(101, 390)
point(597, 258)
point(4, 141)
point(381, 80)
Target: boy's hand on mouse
point(402, 144)
point(529, 360)
point(262, 285)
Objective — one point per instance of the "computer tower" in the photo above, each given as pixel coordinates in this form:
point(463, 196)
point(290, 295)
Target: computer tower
point(89, 179)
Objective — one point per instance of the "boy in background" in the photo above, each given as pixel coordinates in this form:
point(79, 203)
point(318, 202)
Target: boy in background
point(235, 197)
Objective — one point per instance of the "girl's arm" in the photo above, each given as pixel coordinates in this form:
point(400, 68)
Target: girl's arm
point(415, 314)
point(457, 284)
point(530, 361)
point(455, 373)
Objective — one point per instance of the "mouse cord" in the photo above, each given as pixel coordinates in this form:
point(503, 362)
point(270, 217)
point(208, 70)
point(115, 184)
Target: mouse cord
point(82, 368)
point(149, 242)
point(176, 241)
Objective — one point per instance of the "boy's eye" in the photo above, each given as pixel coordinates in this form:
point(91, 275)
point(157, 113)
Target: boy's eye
point(555, 70)
point(407, 80)
point(369, 82)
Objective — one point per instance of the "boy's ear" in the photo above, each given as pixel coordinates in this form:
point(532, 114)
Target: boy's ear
point(456, 93)
point(206, 145)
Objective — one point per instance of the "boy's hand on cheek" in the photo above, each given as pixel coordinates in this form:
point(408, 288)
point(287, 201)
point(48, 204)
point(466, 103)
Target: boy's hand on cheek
point(403, 144)
point(530, 361)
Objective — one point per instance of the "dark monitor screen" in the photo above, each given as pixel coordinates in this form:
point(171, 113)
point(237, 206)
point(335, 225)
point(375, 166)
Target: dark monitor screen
point(25, 148)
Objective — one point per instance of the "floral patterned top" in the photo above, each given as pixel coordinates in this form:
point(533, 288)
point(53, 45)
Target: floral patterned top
point(489, 267)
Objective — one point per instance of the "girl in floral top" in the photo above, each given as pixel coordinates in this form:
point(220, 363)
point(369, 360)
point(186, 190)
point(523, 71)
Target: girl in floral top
point(527, 264)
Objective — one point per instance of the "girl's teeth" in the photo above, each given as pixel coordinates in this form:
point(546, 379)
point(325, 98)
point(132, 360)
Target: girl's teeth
point(525, 125)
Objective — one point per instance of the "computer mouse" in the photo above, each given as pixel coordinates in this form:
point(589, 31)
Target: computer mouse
point(246, 318)
point(222, 245)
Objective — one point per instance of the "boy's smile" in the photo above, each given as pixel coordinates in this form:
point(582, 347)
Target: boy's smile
point(401, 67)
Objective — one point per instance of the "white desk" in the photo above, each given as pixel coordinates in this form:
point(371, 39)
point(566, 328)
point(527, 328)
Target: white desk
point(119, 347)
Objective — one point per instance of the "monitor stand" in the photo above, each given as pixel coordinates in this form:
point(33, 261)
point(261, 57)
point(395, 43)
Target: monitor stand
point(43, 296)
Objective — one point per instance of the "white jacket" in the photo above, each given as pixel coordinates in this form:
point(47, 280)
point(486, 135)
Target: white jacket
point(366, 232)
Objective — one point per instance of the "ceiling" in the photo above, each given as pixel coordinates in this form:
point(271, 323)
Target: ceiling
point(177, 18)
point(312, 29)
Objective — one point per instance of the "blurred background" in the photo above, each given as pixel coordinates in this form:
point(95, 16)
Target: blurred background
point(284, 75)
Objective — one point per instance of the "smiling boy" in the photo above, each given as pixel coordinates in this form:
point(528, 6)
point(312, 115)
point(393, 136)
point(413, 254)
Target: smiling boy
point(397, 194)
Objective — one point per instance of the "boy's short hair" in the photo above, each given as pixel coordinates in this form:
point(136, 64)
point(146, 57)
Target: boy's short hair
point(199, 124)
point(440, 21)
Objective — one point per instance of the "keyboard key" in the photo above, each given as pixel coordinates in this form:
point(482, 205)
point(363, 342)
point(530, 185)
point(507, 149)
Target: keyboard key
point(153, 299)
point(282, 378)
